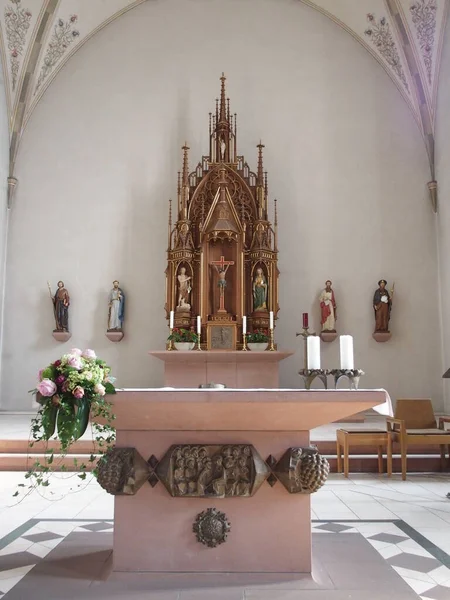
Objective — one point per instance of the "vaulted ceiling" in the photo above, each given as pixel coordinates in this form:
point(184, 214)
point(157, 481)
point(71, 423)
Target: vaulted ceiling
point(39, 36)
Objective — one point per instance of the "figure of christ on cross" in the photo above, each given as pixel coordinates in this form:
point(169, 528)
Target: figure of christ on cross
point(222, 266)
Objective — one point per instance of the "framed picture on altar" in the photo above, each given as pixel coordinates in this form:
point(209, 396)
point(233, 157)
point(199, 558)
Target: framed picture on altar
point(221, 336)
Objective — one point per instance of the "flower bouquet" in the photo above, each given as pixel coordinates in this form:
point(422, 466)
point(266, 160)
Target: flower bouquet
point(259, 336)
point(183, 335)
point(67, 390)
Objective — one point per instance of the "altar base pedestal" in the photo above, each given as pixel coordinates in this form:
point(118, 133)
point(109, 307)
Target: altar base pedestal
point(270, 531)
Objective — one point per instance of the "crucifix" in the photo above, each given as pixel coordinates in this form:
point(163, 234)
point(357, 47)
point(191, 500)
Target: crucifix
point(222, 266)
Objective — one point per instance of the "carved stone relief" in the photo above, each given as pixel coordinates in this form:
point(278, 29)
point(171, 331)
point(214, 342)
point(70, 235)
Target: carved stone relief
point(302, 470)
point(211, 527)
point(212, 471)
point(122, 471)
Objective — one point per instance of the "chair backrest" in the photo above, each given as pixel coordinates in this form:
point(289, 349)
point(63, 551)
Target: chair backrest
point(417, 413)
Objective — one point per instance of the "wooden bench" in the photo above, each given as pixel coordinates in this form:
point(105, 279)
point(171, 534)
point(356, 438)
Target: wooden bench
point(359, 437)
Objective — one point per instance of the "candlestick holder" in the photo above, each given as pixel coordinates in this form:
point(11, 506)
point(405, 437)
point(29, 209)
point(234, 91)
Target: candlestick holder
point(170, 344)
point(271, 344)
point(305, 335)
point(244, 342)
point(308, 376)
point(353, 375)
point(199, 336)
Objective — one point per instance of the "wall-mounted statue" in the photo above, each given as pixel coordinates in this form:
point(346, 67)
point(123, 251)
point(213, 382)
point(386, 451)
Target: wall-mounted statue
point(328, 308)
point(259, 291)
point(382, 305)
point(61, 303)
point(116, 308)
point(184, 290)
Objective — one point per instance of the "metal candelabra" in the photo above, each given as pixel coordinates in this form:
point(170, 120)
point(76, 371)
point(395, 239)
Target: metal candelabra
point(170, 345)
point(271, 344)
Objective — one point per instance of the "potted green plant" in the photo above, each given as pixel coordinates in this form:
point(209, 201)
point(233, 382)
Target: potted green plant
point(258, 340)
point(183, 339)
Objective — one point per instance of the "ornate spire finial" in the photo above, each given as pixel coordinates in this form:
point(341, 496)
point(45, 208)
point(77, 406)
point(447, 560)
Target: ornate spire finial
point(169, 245)
point(223, 113)
point(185, 179)
point(260, 173)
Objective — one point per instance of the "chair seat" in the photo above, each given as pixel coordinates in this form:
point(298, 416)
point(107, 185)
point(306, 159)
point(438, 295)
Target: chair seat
point(435, 431)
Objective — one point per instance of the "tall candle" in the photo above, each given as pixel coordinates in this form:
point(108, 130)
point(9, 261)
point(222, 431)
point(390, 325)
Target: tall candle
point(313, 346)
point(346, 347)
point(244, 325)
point(199, 324)
point(171, 319)
point(271, 319)
point(305, 320)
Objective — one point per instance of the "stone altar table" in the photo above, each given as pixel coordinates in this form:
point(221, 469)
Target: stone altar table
point(236, 369)
point(270, 531)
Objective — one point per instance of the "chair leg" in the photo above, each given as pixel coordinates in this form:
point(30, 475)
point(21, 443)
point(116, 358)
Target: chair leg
point(443, 460)
point(339, 457)
point(389, 455)
point(403, 451)
point(346, 458)
point(380, 459)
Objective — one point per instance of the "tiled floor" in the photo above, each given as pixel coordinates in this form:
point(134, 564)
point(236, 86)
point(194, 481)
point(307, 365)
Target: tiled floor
point(374, 538)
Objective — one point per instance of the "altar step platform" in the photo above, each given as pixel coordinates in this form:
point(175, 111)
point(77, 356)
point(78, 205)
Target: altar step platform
point(15, 454)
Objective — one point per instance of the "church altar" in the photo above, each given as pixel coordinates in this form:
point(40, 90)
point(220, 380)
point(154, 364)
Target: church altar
point(269, 524)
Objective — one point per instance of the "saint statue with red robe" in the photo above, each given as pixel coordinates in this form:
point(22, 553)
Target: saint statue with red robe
point(328, 308)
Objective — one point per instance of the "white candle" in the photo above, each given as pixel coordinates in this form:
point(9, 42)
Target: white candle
point(313, 345)
point(171, 319)
point(346, 347)
point(271, 319)
point(199, 324)
point(244, 325)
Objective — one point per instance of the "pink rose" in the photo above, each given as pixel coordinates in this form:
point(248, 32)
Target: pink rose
point(100, 389)
point(46, 387)
point(74, 361)
point(88, 353)
point(76, 351)
point(78, 392)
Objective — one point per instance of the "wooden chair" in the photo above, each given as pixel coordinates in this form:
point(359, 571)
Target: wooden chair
point(414, 423)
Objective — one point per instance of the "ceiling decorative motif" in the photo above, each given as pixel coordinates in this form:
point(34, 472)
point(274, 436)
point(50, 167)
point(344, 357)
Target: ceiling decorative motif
point(17, 24)
point(38, 37)
point(423, 15)
point(380, 35)
point(64, 34)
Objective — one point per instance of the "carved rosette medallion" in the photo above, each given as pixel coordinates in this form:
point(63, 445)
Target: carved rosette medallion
point(122, 471)
point(302, 470)
point(211, 527)
point(211, 471)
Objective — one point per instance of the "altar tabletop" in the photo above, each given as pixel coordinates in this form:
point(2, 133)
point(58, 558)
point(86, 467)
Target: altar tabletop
point(191, 409)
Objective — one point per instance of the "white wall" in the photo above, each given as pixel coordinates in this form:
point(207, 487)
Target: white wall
point(443, 178)
point(99, 158)
point(4, 172)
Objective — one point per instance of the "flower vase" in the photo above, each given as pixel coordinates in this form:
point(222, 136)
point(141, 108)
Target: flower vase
point(257, 346)
point(184, 346)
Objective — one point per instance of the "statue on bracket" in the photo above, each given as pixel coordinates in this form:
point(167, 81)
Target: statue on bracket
point(184, 290)
point(61, 303)
point(328, 312)
point(116, 312)
point(259, 291)
point(382, 305)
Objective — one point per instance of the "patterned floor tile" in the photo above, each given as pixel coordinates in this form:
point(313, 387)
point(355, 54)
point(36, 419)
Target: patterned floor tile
point(333, 527)
point(438, 593)
point(420, 587)
point(389, 538)
point(414, 562)
point(16, 560)
point(97, 526)
point(42, 537)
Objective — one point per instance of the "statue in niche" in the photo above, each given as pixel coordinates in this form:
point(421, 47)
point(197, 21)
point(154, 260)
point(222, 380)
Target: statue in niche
point(184, 290)
point(259, 291)
point(223, 147)
point(382, 304)
point(328, 308)
point(61, 303)
point(116, 308)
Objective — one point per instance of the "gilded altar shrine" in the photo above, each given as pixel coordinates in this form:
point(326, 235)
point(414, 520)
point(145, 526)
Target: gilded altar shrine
point(222, 247)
